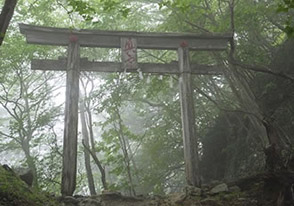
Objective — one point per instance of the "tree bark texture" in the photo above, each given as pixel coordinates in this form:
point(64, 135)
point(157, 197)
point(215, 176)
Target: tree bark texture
point(30, 161)
point(124, 147)
point(85, 134)
point(69, 169)
point(92, 149)
point(99, 165)
point(5, 17)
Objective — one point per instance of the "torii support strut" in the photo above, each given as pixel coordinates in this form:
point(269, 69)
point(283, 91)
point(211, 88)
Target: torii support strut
point(112, 39)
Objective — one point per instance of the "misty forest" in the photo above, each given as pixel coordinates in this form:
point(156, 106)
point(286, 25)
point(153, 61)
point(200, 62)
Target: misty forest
point(146, 102)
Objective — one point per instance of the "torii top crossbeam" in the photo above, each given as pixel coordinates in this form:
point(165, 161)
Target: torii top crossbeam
point(111, 39)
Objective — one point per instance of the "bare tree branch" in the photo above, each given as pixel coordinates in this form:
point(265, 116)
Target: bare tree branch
point(10, 136)
point(197, 26)
point(225, 109)
point(98, 163)
point(156, 57)
point(262, 69)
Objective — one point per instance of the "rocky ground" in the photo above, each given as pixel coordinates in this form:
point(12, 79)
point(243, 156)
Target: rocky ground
point(219, 195)
point(258, 190)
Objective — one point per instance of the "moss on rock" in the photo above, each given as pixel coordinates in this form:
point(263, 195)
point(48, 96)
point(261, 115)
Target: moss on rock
point(15, 192)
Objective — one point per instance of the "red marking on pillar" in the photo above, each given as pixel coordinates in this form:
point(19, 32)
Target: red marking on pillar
point(184, 44)
point(73, 38)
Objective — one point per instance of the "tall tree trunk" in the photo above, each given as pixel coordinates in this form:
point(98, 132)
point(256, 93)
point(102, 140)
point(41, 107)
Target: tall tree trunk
point(92, 150)
point(274, 142)
point(5, 17)
point(279, 152)
point(89, 127)
point(85, 134)
point(27, 134)
point(99, 165)
point(132, 159)
point(30, 161)
point(124, 148)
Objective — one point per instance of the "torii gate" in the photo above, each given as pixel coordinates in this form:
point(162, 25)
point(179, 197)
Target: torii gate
point(128, 42)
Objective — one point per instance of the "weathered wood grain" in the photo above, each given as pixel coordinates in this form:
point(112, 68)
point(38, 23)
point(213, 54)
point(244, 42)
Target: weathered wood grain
point(153, 68)
point(71, 120)
point(129, 53)
point(112, 39)
point(188, 119)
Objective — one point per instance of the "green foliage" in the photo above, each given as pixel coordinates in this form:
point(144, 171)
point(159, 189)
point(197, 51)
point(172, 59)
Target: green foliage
point(146, 112)
point(275, 94)
point(287, 7)
point(89, 11)
point(229, 149)
point(25, 97)
point(83, 8)
point(182, 5)
point(50, 165)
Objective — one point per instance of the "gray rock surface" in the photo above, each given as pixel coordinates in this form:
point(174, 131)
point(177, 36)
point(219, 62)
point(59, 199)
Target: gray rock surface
point(25, 175)
point(234, 189)
point(193, 191)
point(219, 188)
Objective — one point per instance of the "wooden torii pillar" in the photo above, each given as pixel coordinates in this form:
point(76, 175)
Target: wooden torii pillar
point(74, 39)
